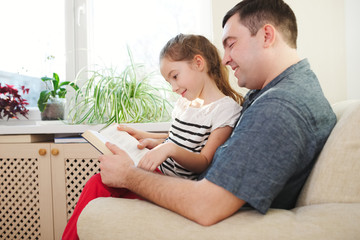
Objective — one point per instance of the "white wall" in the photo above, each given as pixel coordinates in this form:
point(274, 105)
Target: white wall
point(321, 26)
point(352, 17)
point(321, 39)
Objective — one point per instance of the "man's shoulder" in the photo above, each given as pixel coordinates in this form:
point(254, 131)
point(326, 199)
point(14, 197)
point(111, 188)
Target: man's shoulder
point(301, 103)
point(303, 94)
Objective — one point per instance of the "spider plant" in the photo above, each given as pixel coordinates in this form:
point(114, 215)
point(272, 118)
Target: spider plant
point(126, 97)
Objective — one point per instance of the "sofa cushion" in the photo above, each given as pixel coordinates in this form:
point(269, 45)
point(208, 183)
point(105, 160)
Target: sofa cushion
point(335, 177)
point(111, 218)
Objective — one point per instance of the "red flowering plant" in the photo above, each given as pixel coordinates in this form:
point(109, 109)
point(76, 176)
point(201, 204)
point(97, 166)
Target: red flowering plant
point(11, 102)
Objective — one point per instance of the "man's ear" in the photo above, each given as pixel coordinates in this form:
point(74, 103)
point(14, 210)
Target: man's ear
point(199, 62)
point(269, 35)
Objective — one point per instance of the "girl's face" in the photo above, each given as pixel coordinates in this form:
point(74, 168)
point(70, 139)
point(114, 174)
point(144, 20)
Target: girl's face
point(184, 77)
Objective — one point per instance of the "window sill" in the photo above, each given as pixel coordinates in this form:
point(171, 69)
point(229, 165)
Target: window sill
point(59, 127)
point(34, 125)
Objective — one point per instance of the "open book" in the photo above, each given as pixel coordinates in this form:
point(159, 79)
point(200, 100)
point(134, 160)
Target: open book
point(120, 138)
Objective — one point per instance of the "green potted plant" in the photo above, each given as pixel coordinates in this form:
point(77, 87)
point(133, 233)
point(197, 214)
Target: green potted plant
point(51, 102)
point(128, 96)
point(12, 103)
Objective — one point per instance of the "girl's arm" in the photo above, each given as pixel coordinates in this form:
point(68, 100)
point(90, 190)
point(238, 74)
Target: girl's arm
point(195, 162)
point(139, 134)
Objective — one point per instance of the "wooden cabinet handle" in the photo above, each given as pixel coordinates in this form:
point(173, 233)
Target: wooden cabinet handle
point(42, 151)
point(54, 151)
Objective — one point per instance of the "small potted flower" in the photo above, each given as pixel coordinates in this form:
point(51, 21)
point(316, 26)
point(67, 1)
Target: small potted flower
point(51, 102)
point(12, 103)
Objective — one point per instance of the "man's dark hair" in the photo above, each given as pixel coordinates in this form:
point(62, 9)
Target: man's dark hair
point(254, 14)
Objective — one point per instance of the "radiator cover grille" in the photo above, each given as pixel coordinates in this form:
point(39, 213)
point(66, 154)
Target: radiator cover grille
point(19, 198)
point(77, 173)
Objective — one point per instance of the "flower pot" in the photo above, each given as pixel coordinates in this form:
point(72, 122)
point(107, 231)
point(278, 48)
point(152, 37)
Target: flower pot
point(54, 110)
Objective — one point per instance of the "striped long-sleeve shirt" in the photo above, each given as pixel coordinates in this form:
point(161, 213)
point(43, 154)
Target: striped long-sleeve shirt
point(191, 128)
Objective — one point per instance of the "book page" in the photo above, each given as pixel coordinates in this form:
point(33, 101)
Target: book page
point(124, 141)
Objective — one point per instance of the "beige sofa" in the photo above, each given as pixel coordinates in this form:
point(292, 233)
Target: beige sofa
point(328, 207)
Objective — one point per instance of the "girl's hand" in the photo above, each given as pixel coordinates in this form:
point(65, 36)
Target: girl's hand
point(155, 157)
point(142, 136)
point(149, 143)
point(138, 134)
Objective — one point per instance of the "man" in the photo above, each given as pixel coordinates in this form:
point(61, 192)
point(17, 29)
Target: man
point(284, 125)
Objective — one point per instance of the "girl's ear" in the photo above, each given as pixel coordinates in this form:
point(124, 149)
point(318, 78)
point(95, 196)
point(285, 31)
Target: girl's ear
point(199, 62)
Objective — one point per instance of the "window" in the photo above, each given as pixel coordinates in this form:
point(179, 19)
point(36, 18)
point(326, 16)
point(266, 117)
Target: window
point(32, 43)
point(144, 26)
point(40, 37)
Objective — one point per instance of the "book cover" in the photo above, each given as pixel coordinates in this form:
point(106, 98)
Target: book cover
point(120, 138)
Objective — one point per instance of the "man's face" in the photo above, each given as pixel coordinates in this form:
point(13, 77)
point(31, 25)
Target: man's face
point(243, 53)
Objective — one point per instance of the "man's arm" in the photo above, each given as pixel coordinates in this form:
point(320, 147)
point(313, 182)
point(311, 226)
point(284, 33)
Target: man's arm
point(200, 201)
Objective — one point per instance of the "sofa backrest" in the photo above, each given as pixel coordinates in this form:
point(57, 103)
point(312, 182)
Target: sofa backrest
point(336, 174)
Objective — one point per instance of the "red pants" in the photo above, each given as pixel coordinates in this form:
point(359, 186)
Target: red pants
point(94, 188)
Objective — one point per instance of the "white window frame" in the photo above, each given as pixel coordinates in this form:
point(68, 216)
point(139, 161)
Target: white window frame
point(76, 35)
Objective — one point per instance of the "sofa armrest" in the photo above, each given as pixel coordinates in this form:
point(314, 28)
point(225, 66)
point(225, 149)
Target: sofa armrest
point(112, 218)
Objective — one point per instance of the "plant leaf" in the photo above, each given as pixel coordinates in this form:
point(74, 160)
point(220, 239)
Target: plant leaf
point(46, 79)
point(44, 97)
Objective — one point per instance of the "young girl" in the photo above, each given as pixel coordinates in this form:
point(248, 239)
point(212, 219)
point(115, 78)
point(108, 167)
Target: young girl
point(203, 119)
point(203, 116)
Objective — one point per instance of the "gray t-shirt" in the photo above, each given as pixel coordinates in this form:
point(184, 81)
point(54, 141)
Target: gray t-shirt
point(273, 147)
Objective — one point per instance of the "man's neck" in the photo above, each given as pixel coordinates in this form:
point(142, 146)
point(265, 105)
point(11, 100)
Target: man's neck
point(284, 59)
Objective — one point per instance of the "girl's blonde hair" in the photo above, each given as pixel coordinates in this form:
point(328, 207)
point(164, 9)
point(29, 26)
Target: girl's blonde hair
point(186, 47)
